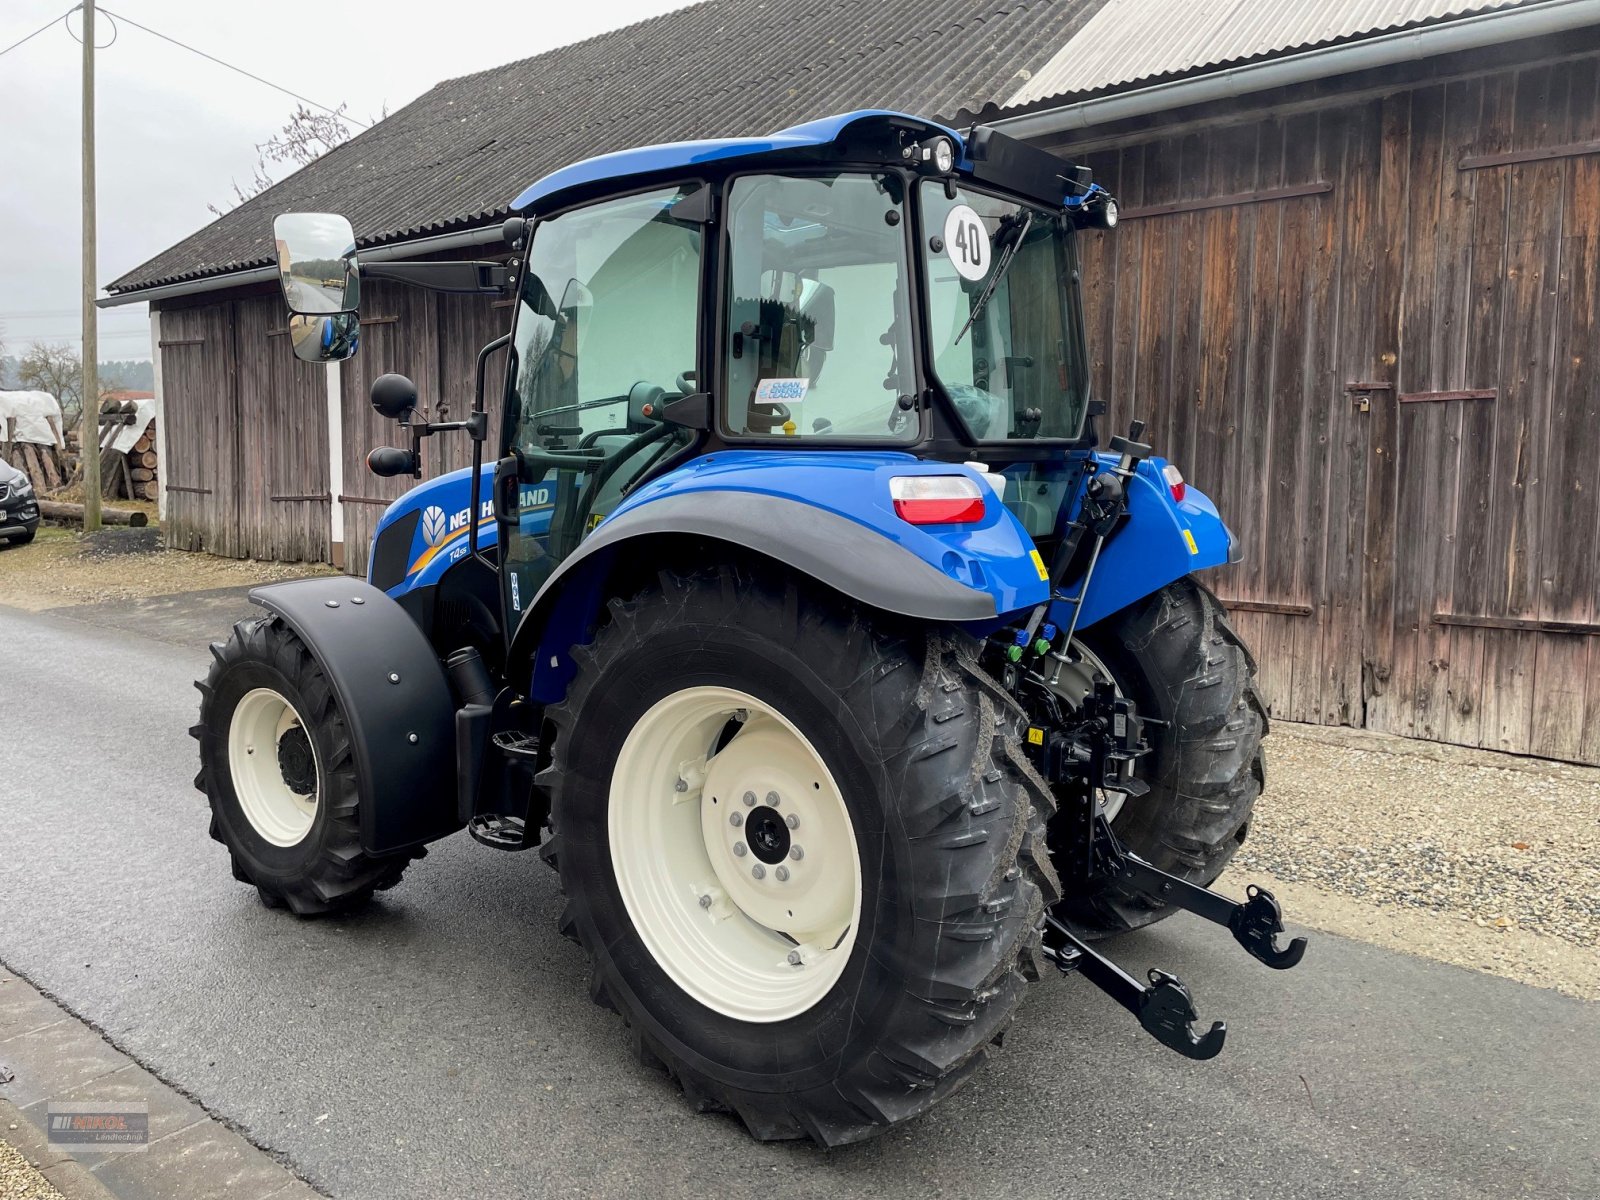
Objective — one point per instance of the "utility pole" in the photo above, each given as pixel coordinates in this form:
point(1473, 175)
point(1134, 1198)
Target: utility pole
point(89, 422)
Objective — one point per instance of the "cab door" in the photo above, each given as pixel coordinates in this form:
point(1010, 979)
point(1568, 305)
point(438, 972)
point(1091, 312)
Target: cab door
point(606, 334)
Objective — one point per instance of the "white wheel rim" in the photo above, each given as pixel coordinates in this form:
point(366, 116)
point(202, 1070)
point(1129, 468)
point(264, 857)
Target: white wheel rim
point(274, 809)
point(731, 912)
point(1071, 679)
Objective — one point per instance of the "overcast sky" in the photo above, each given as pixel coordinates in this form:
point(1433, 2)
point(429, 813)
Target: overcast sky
point(174, 130)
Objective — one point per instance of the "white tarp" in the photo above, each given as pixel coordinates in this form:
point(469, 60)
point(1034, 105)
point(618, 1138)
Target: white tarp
point(145, 412)
point(33, 412)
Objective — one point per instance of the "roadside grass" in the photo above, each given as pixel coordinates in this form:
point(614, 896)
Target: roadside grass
point(62, 566)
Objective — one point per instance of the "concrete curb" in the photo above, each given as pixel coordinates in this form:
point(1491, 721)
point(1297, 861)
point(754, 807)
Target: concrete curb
point(192, 1155)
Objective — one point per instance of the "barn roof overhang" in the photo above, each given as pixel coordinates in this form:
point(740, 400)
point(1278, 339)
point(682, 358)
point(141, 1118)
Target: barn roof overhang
point(1065, 114)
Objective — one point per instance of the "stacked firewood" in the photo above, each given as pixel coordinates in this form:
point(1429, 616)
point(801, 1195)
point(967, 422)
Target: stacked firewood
point(142, 467)
point(133, 474)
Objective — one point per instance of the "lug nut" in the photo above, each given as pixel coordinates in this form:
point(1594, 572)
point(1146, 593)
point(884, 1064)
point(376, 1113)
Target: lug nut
point(739, 849)
point(758, 871)
point(794, 958)
point(796, 853)
point(792, 821)
point(681, 786)
point(705, 901)
point(736, 819)
point(749, 799)
point(412, 738)
point(393, 678)
point(772, 799)
point(783, 874)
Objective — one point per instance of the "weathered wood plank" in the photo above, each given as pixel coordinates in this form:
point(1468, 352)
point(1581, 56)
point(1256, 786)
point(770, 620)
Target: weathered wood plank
point(1390, 233)
point(1353, 137)
point(1418, 667)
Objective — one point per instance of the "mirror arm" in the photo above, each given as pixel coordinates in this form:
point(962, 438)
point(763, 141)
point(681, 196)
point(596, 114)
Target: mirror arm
point(468, 278)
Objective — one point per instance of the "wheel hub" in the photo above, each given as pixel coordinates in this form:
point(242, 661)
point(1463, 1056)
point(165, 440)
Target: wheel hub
point(274, 767)
point(295, 761)
point(767, 835)
point(735, 855)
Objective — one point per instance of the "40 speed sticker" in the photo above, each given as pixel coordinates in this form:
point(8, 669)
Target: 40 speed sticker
point(966, 242)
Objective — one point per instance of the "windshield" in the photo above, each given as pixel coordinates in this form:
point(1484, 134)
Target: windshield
point(1006, 339)
point(819, 341)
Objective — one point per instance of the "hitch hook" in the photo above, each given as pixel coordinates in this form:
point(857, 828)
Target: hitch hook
point(1166, 1011)
point(1255, 925)
point(1165, 1008)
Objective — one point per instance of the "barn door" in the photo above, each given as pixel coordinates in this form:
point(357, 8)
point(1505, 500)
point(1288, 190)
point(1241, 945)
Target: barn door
point(399, 332)
point(201, 411)
point(1483, 515)
point(1215, 314)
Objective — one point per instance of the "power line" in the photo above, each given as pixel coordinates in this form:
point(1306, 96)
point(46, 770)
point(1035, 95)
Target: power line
point(221, 63)
point(41, 29)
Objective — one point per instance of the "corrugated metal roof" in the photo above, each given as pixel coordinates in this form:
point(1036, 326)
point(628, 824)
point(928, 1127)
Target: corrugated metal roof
point(1133, 41)
point(456, 156)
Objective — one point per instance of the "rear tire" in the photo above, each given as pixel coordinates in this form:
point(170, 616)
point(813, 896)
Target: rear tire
point(276, 766)
point(1175, 655)
point(945, 814)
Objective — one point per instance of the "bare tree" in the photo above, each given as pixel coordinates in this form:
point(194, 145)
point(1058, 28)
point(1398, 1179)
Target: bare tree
point(307, 136)
point(57, 370)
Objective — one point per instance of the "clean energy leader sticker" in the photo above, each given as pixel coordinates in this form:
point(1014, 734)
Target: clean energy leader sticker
point(966, 241)
point(781, 391)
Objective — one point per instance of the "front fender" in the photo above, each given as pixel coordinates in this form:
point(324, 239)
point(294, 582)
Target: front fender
point(825, 514)
point(395, 700)
point(1161, 541)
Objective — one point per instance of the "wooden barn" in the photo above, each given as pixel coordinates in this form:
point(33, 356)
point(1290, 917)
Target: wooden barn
point(1354, 290)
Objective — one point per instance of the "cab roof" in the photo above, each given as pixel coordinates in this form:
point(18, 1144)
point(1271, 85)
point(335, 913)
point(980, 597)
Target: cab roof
point(800, 141)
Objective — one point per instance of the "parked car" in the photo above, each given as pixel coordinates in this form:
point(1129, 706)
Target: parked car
point(19, 511)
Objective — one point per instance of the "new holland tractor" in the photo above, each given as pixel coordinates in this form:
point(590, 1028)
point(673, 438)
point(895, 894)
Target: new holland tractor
point(799, 623)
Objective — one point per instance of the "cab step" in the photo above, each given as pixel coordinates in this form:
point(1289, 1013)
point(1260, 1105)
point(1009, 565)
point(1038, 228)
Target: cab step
point(501, 832)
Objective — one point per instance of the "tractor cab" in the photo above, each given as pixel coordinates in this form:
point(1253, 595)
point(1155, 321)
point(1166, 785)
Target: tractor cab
point(870, 282)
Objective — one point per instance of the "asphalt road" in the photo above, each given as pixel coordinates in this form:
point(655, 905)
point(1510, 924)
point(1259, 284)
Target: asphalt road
point(443, 1044)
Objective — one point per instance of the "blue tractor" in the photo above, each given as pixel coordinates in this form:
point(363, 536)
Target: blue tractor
point(800, 623)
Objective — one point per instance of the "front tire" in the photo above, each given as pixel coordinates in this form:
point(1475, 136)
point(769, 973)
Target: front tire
point(867, 984)
point(277, 768)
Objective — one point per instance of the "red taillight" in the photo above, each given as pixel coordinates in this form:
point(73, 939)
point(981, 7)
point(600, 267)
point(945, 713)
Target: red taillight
point(1174, 478)
point(936, 499)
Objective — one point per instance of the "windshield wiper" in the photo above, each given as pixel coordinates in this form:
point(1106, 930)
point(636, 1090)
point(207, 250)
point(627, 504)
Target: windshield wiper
point(999, 273)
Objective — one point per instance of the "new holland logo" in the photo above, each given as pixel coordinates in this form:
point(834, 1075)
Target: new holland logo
point(433, 524)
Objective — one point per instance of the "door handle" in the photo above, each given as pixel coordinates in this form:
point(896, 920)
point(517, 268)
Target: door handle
point(507, 478)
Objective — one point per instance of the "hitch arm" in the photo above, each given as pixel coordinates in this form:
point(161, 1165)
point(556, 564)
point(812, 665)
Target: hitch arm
point(1255, 924)
point(1164, 1008)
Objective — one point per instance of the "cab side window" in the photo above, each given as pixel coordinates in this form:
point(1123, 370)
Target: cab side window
point(609, 302)
point(818, 330)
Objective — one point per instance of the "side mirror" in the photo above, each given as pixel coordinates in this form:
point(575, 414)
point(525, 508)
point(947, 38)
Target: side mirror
point(318, 272)
point(327, 338)
point(317, 263)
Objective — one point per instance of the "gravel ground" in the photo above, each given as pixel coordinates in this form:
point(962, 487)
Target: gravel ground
point(19, 1181)
point(1483, 859)
point(62, 567)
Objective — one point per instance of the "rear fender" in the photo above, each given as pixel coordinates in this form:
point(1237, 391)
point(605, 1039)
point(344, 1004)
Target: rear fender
point(826, 515)
point(395, 699)
point(1161, 541)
